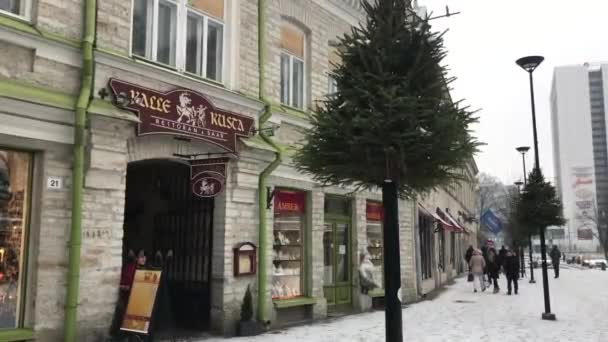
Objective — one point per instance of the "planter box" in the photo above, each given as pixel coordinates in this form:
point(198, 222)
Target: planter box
point(248, 328)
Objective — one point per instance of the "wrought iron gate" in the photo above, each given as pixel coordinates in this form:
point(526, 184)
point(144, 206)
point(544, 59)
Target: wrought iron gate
point(183, 234)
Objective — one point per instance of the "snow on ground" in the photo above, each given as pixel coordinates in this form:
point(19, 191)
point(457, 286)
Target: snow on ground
point(579, 298)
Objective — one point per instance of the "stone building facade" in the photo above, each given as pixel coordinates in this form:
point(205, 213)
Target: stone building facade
point(209, 47)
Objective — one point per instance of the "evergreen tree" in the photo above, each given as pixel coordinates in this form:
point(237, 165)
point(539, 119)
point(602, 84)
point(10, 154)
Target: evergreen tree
point(539, 206)
point(392, 116)
point(247, 306)
point(391, 124)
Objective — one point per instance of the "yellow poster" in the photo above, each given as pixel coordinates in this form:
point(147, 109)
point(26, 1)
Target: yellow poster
point(141, 301)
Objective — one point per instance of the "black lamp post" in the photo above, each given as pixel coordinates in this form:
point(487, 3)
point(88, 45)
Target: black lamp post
point(523, 150)
point(522, 263)
point(529, 64)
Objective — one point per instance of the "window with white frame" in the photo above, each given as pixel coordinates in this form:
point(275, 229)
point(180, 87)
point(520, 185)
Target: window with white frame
point(332, 85)
point(292, 66)
point(333, 61)
point(185, 34)
point(15, 7)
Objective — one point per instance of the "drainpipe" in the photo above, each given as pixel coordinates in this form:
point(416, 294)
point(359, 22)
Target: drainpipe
point(262, 196)
point(71, 300)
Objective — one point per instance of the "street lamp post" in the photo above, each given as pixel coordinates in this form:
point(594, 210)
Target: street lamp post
point(523, 150)
point(529, 64)
point(522, 263)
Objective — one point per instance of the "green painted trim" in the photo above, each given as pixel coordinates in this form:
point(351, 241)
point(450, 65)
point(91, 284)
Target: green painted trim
point(376, 293)
point(29, 93)
point(258, 143)
point(26, 27)
point(308, 226)
point(106, 108)
point(13, 335)
point(262, 298)
point(290, 303)
point(82, 104)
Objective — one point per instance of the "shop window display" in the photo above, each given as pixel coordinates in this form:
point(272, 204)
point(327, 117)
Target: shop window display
point(374, 239)
point(288, 254)
point(14, 200)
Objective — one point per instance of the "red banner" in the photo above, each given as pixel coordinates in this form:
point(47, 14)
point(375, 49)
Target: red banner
point(181, 112)
point(286, 201)
point(374, 211)
point(208, 176)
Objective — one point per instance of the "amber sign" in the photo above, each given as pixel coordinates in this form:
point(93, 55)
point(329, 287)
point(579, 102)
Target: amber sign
point(208, 176)
point(182, 112)
point(141, 301)
point(374, 211)
point(289, 201)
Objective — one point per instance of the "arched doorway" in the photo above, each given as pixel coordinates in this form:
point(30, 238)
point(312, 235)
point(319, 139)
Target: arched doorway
point(164, 219)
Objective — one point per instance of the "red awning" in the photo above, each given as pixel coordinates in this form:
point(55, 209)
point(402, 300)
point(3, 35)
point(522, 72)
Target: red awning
point(445, 225)
point(455, 223)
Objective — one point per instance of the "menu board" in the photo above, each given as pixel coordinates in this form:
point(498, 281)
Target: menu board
point(141, 301)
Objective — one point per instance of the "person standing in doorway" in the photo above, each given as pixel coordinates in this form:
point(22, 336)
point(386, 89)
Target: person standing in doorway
point(477, 265)
point(555, 255)
point(511, 268)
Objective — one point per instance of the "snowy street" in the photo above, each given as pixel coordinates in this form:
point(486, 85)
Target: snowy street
point(579, 298)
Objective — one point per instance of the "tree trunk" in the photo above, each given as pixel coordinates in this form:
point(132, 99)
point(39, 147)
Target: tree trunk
point(392, 268)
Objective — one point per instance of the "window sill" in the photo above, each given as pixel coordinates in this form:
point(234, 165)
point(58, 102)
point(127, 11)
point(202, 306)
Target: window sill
point(16, 335)
point(290, 303)
point(292, 111)
point(145, 60)
point(376, 293)
point(203, 79)
point(22, 24)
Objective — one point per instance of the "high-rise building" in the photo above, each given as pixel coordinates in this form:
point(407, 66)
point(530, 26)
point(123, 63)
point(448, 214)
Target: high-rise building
point(580, 151)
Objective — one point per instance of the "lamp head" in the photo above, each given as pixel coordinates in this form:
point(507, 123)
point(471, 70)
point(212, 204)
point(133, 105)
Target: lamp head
point(523, 149)
point(530, 63)
point(519, 183)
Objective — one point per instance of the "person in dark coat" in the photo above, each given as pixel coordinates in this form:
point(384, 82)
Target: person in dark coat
point(511, 268)
point(493, 268)
point(555, 255)
point(468, 254)
point(501, 255)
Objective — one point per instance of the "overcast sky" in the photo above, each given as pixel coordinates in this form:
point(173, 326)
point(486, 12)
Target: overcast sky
point(483, 43)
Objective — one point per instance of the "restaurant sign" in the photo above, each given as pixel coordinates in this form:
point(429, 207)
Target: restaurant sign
point(208, 176)
point(181, 112)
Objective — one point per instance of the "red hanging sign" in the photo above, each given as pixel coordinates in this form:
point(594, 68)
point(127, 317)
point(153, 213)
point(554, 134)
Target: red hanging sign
point(286, 201)
point(182, 112)
point(208, 176)
point(374, 211)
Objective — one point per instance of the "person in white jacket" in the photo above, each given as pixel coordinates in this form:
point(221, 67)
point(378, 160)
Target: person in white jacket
point(366, 274)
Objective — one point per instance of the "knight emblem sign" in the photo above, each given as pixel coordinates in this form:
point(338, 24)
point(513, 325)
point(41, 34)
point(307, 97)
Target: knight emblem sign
point(181, 112)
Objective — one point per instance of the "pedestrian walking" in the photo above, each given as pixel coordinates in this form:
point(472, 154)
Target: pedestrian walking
point(477, 265)
point(511, 269)
point(468, 254)
point(502, 253)
point(493, 268)
point(555, 255)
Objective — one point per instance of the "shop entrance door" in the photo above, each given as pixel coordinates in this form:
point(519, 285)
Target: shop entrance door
point(337, 264)
point(164, 219)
